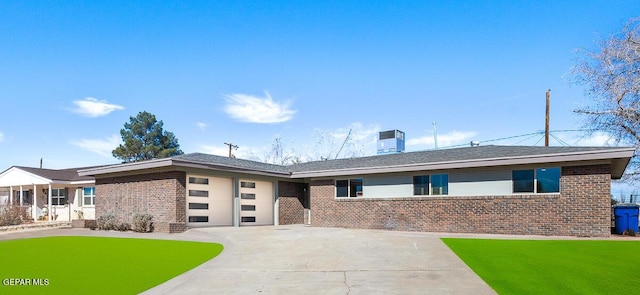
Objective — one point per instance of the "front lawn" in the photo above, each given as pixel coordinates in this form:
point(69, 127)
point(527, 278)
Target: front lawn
point(95, 265)
point(553, 266)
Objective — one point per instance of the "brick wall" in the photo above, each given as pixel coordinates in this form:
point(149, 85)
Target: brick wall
point(162, 195)
point(291, 202)
point(581, 209)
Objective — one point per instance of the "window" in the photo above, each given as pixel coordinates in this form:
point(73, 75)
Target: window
point(540, 180)
point(58, 196)
point(342, 188)
point(349, 188)
point(248, 207)
point(247, 184)
point(548, 180)
point(440, 184)
point(248, 196)
point(421, 185)
point(198, 218)
point(89, 196)
point(522, 181)
point(198, 180)
point(198, 206)
point(249, 219)
point(198, 193)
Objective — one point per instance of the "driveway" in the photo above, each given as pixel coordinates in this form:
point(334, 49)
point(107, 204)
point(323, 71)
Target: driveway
point(312, 260)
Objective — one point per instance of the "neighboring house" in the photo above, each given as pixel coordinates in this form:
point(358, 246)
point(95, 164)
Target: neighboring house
point(482, 189)
point(50, 194)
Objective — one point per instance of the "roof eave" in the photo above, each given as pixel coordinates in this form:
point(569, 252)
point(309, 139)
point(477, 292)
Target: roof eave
point(168, 162)
point(118, 168)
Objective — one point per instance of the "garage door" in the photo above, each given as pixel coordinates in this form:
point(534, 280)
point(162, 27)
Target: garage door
point(209, 201)
point(256, 202)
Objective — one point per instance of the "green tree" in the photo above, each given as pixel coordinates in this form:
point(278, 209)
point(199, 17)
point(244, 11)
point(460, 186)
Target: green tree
point(144, 139)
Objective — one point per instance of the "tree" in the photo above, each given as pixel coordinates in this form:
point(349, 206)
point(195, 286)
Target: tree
point(144, 139)
point(611, 76)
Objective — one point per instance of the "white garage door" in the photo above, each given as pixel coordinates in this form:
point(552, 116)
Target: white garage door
point(256, 202)
point(209, 201)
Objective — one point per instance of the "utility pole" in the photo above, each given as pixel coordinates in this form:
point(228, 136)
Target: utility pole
point(546, 122)
point(231, 146)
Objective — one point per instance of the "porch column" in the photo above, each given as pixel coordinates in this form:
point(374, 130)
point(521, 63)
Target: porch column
point(34, 204)
point(21, 196)
point(11, 195)
point(49, 202)
point(276, 204)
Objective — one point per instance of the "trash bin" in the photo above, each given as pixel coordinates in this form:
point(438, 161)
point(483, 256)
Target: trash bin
point(626, 217)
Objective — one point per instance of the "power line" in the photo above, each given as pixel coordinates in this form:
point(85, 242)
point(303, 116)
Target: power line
point(528, 136)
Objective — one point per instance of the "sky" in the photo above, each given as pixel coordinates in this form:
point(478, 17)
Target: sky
point(309, 73)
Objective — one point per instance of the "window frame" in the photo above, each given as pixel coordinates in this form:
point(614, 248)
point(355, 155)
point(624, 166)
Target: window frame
point(351, 191)
point(56, 198)
point(424, 190)
point(91, 197)
point(444, 189)
point(535, 183)
point(429, 189)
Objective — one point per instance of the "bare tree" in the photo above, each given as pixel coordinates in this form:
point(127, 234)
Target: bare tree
point(611, 76)
point(280, 154)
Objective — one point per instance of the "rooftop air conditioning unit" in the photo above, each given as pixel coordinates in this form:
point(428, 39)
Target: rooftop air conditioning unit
point(390, 142)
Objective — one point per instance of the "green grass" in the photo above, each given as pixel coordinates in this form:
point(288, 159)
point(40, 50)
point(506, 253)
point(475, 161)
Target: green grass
point(553, 266)
point(97, 265)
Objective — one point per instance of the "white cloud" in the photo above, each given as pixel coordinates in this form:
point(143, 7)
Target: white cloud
point(1, 136)
point(444, 140)
point(201, 125)
point(102, 147)
point(254, 109)
point(92, 107)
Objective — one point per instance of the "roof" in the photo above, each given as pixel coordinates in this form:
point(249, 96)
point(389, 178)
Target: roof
point(70, 174)
point(467, 157)
point(20, 175)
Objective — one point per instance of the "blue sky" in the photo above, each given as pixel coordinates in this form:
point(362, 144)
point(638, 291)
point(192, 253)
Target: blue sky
point(73, 72)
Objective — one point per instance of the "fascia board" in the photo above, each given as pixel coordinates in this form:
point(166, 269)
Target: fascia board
point(158, 163)
point(491, 162)
point(227, 168)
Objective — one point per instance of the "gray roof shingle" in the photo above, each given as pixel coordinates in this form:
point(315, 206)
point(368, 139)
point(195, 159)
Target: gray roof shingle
point(70, 174)
point(435, 156)
point(231, 162)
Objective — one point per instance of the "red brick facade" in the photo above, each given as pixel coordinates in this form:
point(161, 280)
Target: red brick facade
point(581, 209)
point(162, 195)
point(291, 198)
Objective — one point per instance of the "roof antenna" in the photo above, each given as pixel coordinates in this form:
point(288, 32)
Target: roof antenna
point(546, 121)
point(435, 136)
point(40, 163)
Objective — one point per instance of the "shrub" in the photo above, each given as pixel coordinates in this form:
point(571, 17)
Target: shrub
point(142, 223)
point(123, 227)
point(13, 215)
point(107, 222)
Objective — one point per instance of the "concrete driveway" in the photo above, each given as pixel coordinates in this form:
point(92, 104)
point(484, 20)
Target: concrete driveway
point(311, 260)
